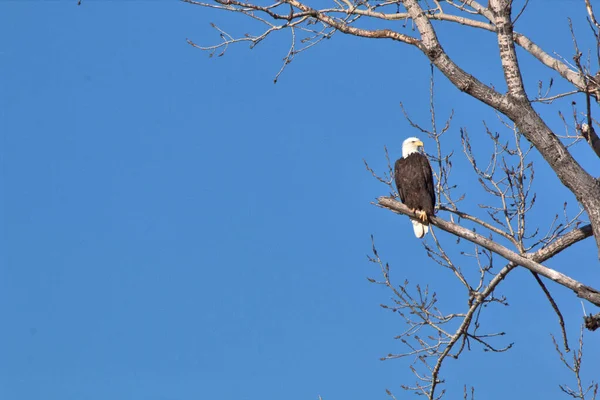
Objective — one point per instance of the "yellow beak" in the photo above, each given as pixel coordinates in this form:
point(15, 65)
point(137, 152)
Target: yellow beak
point(419, 143)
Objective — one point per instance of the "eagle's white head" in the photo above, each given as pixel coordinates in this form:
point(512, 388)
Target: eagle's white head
point(411, 145)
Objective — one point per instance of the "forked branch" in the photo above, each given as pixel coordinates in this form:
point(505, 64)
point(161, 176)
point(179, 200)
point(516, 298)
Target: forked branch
point(529, 261)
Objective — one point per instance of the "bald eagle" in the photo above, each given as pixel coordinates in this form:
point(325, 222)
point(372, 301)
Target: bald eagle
point(414, 180)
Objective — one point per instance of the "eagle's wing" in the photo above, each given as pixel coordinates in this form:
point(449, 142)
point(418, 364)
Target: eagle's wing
point(398, 177)
point(428, 178)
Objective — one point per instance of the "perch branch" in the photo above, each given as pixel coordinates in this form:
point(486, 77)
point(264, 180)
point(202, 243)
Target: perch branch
point(529, 261)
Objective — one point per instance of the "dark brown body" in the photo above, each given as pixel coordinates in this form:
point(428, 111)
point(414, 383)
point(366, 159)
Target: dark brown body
point(414, 180)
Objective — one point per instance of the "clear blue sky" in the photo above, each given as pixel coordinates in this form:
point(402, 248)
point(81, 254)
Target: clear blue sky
point(178, 227)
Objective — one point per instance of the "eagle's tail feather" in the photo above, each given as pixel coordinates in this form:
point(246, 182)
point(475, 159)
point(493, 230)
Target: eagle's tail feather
point(419, 228)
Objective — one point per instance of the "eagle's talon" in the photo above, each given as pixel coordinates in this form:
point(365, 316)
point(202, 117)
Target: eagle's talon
point(421, 215)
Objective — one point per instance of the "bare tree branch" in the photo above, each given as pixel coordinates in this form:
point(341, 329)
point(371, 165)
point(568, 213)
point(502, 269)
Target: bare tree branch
point(531, 262)
point(589, 134)
point(575, 367)
point(561, 320)
point(501, 9)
